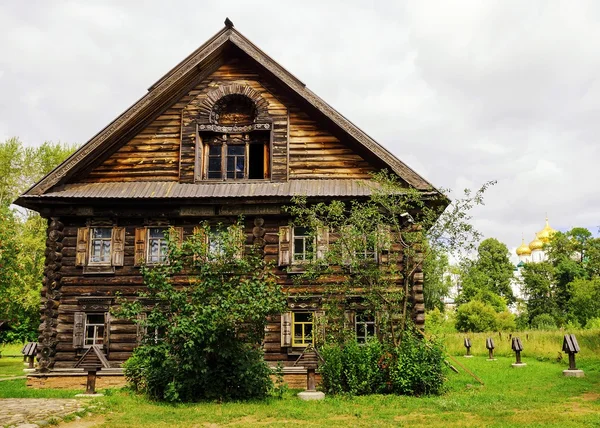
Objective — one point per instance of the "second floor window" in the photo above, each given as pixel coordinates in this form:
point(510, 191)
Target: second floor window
point(100, 245)
point(234, 157)
point(303, 245)
point(157, 245)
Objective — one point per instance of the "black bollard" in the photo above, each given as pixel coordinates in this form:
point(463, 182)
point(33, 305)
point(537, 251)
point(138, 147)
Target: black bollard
point(468, 346)
point(517, 346)
point(489, 344)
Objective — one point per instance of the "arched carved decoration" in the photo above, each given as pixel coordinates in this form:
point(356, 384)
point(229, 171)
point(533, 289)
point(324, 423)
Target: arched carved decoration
point(234, 108)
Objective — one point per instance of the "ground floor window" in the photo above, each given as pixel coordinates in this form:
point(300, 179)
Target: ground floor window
point(365, 326)
point(302, 327)
point(94, 329)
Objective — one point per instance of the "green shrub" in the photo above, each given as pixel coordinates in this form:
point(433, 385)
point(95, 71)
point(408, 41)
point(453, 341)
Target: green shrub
point(414, 368)
point(505, 321)
point(592, 323)
point(418, 368)
point(475, 316)
point(543, 322)
point(438, 322)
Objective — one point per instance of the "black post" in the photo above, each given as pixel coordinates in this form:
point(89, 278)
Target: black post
point(572, 361)
point(31, 361)
point(310, 380)
point(491, 353)
point(518, 354)
point(90, 387)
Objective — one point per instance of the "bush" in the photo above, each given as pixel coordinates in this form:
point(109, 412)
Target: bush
point(543, 322)
point(475, 317)
point(592, 323)
point(437, 322)
point(414, 368)
point(505, 321)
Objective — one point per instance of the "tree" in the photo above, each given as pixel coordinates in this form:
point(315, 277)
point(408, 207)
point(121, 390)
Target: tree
point(538, 286)
point(585, 300)
point(435, 274)
point(204, 316)
point(377, 246)
point(491, 273)
point(22, 243)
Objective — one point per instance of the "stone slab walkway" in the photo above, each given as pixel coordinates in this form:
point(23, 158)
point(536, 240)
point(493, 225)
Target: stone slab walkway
point(33, 412)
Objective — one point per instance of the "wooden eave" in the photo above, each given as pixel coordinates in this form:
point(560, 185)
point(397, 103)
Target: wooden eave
point(181, 79)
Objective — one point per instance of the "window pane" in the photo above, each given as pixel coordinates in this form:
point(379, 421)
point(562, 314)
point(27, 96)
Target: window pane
point(95, 319)
point(157, 233)
point(299, 248)
point(236, 150)
point(101, 232)
point(308, 333)
point(303, 317)
point(214, 151)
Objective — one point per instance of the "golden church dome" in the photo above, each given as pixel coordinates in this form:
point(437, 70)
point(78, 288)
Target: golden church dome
point(523, 249)
point(536, 244)
point(546, 233)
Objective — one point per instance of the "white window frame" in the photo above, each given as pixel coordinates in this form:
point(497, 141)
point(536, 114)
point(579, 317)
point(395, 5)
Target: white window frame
point(307, 258)
point(91, 246)
point(162, 243)
point(362, 319)
point(96, 338)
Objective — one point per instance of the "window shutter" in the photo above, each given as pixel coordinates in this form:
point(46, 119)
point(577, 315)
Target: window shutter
point(179, 235)
point(346, 243)
point(78, 328)
point(319, 325)
point(106, 338)
point(349, 320)
point(140, 245)
point(140, 325)
point(118, 246)
point(199, 156)
point(83, 234)
point(285, 236)
point(240, 240)
point(203, 240)
point(286, 329)
point(322, 242)
point(384, 243)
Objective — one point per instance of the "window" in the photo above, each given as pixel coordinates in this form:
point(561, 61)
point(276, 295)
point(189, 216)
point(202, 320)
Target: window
point(157, 245)
point(215, 242)
point(94, 329)
point(236, 157)
point(302, 325)
point(100, 245)
point(365, 327)
point(303, 245)
point(368, 250)
point(100, 248)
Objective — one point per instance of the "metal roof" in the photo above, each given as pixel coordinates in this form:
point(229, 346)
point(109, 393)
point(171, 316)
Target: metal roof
point(175, 190)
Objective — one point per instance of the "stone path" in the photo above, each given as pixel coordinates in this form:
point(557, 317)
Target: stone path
point(34, 412)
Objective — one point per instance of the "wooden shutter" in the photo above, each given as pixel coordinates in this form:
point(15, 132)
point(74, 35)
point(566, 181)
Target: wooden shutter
point(177, 235)
point(141, 327)
point(203, 239)
point(349, 320)
point(285, 237)
point(83, 235)
point(198, 168)
point(286, 329)
point(78, 330)
point(106, 338)
point(240, 240)
point(319, 326)
point(322, 242)
point(384, 243)
point(140, 246)
point(118, 246)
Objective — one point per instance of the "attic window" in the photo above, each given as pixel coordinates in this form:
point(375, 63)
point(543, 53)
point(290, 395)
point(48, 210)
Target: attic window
point(229, 157)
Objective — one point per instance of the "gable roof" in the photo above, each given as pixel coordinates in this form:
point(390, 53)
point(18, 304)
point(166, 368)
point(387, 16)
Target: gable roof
point(177, 80)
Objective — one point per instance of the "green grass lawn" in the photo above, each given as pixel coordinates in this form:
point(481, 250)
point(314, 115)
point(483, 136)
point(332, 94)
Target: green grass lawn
point(531, 396)
point(11, 361)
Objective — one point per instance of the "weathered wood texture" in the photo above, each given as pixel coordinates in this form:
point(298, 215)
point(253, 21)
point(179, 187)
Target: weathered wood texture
point(166, 149)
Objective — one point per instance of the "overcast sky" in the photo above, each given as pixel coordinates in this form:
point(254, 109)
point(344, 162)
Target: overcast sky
point(463, 92)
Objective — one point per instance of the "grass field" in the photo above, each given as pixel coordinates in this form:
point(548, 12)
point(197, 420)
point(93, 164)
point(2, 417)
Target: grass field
point(536, 395)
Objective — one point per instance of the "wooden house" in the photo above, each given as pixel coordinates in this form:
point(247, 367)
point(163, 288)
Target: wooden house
point(226, 132)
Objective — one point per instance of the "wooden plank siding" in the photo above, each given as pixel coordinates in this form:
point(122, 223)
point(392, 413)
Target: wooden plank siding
point(166, 149)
